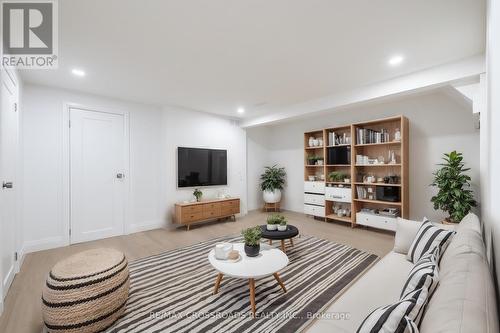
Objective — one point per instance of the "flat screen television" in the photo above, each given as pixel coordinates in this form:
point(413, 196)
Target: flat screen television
point(201, 167)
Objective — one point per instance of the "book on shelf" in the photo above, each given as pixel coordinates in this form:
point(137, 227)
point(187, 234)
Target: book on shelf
point(367, 136)
point(338, 139)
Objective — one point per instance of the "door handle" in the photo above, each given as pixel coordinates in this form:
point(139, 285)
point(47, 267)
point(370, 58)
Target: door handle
point(7, 185)
point(120, 175)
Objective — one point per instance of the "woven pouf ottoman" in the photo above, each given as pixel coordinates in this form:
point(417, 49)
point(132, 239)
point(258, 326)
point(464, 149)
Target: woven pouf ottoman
point(86, 292)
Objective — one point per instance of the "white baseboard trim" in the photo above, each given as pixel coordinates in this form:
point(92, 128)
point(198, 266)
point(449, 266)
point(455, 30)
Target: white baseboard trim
point(1, 305)
point(145, 226)
point(42, 244)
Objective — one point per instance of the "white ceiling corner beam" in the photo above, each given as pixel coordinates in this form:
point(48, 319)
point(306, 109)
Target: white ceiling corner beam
point(463, 71)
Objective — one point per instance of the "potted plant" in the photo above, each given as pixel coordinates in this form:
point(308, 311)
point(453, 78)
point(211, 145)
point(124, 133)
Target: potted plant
point(252, 241)
point(454, 195)
point(272, 182)
point(311, 160)
point(282, 225)
point(272, 222)
point(197, 194)
point(319, 160)
point(336, 176)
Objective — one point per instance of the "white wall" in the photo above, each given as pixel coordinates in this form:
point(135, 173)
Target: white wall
point(438, 124)
point(257, 158)
point(43, 201)
point(185, 128)
point(490, 121)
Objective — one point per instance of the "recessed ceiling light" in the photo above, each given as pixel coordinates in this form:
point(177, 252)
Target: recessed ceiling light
point(396, 60)
point(241, 110)
point(78, 72)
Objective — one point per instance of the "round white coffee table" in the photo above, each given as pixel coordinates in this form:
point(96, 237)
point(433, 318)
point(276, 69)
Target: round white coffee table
point(269, 261)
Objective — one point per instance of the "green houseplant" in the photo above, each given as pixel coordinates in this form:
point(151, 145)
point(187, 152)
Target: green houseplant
point(197, 194)
point(252, 238)
point(272, 182)
point(454, 195)
point(336, 176)
point(282, 225)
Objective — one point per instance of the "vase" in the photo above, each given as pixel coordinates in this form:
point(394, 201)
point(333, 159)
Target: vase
point(271, 227)
point(311, 141)
point(252, 250)
point(272, 196)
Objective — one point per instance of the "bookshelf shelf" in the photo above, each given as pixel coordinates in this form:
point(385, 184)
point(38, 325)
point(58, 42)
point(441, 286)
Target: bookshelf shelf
point(338, 218)
point(379, 202)
point(378, 165)
point(391, 143)
point(376, 184)
point(370, 140)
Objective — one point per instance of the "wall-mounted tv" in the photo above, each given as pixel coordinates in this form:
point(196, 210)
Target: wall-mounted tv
point(201, 167)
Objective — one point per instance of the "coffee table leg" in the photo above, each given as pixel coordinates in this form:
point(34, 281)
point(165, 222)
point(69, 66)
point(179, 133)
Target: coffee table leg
point(291, 241)
point(283, 245)
point(217, 282)
point(251, 283)
point(270, 242)
point(277, 277)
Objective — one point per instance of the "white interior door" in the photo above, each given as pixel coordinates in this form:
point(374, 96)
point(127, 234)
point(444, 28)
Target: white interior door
point(8, 168)
point(97, 174)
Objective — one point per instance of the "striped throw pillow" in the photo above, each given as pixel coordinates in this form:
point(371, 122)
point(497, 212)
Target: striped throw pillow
point(397, 317)
point(424, 273)
point(428, 237)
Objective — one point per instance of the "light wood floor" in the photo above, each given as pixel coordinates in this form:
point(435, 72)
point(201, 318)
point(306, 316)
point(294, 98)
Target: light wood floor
point(22, 305)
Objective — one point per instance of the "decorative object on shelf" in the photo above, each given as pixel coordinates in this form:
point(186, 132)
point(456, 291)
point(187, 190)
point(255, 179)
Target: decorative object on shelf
point(347, 180)
point(336, 176)
point(392, 157)
point(320, 142)
point(311, 141)
point(272, 182)
point(397, 135)
point(319, 161)
point(252, 238)
point(311, 178)
point(282, 226)
point(198, 194)
point(315, 143)
point(454, 195)
point(222, 250)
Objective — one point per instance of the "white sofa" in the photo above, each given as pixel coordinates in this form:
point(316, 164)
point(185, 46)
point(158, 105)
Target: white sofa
point(464, 300)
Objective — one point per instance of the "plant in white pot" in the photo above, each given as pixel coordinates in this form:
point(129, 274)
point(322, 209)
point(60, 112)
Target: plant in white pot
point(272, 182)
point(272, 222)
point(282, 225)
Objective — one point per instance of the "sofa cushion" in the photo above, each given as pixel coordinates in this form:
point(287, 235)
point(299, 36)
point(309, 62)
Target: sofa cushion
point(389, 275)
point(406, 230)
point(428, 237)
point(425, 273)
point(464, 301)
point(397, 317)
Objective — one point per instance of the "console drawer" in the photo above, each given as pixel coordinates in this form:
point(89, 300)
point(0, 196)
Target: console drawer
point(211, 210)
point(314, 199)
point(376, 221)
point(314, 187)
point(314, 210)
point(340, 194)
point(191, 217)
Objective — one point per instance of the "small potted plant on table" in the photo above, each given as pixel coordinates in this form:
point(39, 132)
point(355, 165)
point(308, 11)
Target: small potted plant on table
point(252, 241)
point(272, 222)
point(282, 225)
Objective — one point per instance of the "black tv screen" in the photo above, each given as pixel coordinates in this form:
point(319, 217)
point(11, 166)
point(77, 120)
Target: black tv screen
point(201, 167)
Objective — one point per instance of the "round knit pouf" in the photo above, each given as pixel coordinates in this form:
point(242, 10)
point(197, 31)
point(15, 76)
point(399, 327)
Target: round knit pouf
point(86, 292)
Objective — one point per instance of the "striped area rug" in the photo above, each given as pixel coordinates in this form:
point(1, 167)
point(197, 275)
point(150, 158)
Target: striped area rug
point(172, 291)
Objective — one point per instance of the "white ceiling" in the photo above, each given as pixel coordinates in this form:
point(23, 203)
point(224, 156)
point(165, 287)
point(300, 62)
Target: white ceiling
point(217, 55)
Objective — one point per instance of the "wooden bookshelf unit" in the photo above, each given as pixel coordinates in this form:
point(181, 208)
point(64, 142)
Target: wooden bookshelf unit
point(353, 172)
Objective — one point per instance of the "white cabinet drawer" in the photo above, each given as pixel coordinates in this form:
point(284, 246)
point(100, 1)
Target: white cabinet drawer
point(314, 187)
point(314, 199)
point(314, 210)
point(376, 221)
point(340, 194)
